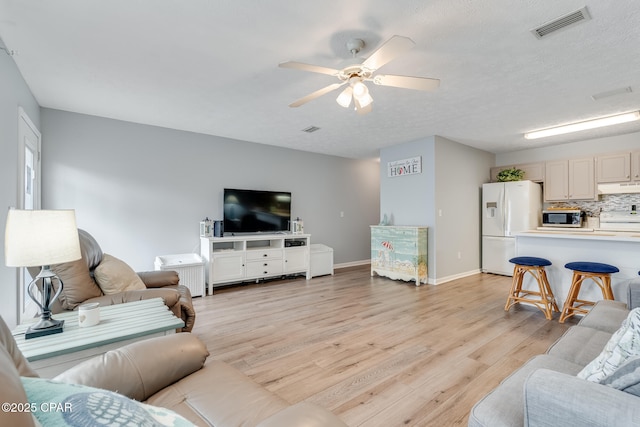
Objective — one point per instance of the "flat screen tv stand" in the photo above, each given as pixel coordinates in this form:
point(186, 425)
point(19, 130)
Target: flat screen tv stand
point(232, 259)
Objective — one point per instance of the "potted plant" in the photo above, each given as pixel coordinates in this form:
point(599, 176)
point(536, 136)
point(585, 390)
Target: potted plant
point(511, 174)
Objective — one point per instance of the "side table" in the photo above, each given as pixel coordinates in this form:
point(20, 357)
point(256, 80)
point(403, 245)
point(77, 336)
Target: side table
point(120, 324)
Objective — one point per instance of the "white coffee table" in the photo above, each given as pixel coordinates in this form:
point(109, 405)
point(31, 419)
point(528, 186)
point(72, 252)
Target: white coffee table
point(120, 324)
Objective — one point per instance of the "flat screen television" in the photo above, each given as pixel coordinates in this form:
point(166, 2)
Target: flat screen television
point(253, 211)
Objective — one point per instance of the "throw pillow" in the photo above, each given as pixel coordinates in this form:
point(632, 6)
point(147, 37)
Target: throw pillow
point(623, 345)
point(625, 378)
point(61, 404)
point(78, 285)
point(114, 275)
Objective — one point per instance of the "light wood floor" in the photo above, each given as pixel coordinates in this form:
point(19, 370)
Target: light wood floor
point(375, 352)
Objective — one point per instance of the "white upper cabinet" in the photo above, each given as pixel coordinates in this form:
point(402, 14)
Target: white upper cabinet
point(613, 168)
point(569, 180)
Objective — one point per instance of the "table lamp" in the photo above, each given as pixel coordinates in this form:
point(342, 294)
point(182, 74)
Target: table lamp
point(42, 238)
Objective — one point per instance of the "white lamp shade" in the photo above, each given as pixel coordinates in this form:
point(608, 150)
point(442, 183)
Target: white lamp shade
point(41, 237)
point(344, 99)
point(360, 89)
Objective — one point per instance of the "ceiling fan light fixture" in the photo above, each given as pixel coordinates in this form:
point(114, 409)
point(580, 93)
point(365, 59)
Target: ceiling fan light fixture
point(344, 99)
point(585, 125)
point(359, 89)
point(365, 100)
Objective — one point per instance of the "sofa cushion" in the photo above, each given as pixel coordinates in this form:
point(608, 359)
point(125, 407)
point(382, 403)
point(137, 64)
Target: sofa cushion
point(191, 397)
point(579, 345)
point(623, 345)
point(61, 404)
point(626, 377)
point(606, 316)
point(114, 276)
point(504, 406)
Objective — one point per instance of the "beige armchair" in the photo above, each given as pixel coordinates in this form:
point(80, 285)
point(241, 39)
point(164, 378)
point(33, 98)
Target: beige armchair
point(81, 283)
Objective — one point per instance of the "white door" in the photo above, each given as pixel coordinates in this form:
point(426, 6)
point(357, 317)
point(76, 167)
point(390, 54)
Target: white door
point(493, 209)
point(29, 195)
point(496, 253)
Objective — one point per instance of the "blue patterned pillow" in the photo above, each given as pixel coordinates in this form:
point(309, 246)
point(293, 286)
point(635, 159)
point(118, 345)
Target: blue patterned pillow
point(60, 404)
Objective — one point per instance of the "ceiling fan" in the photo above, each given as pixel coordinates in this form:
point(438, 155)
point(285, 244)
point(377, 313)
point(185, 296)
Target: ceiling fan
point(355, 75)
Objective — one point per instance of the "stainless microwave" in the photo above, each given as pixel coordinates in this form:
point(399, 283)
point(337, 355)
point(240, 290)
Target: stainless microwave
point(562, 218)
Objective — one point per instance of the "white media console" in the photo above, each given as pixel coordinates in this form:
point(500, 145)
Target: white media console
point(232, 259)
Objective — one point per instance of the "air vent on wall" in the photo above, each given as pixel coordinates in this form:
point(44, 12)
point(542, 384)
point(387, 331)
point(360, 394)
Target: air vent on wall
point(562, 22)
point(311, 129)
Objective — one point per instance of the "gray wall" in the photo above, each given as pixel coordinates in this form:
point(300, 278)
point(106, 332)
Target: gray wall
point(579, 149)
point(460, 173)
point(142, 190)
point(445, 197)
point(14, 93)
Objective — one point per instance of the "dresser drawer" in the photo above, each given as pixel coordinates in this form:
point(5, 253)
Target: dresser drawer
point(264, 268)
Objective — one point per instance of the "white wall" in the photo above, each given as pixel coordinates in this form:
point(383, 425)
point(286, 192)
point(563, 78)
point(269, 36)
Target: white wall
point(590, 147)
point(14, 93)
point(142, 190)
point(450, 182)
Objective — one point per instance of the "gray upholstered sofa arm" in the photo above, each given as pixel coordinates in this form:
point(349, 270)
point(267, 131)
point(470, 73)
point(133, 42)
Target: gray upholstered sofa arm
point(554, 399)
point(633, 298)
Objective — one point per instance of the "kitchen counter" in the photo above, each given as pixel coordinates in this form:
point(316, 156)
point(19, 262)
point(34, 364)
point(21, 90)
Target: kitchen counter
point(560, 247)
point(588, 235)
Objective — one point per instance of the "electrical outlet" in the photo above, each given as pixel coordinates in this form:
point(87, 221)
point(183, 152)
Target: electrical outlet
point(341, 214)
point(459, 255)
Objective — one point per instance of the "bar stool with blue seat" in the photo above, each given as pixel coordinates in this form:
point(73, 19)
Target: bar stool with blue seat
point(599, 273)
point(535, 266)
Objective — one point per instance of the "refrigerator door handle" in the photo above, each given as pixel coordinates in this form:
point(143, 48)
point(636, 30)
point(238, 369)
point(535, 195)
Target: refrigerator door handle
point(503, 212)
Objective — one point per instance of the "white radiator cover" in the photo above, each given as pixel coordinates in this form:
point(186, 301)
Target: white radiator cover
point(190, 269)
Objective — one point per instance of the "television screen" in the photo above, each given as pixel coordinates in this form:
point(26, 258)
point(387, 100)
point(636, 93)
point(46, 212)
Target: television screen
point(252, 211)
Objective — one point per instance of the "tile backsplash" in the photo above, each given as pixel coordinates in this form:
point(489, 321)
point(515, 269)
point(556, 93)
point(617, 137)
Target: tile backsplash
point(605, 202)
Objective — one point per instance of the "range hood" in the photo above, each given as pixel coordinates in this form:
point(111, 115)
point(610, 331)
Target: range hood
point(623, 188)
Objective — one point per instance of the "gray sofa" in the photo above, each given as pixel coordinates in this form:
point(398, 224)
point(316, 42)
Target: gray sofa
point(545, 391)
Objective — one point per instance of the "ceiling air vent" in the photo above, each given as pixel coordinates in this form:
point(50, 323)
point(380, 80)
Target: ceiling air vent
point(562, 22)
point(310, 129)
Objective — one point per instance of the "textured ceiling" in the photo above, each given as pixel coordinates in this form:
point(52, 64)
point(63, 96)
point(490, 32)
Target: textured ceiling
point(211, 67)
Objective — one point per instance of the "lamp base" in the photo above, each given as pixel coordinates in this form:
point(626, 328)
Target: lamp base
point(43, 328)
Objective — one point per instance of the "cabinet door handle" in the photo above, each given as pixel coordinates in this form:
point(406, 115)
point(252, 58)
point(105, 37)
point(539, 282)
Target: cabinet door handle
point(265, 264)
point(265, 255)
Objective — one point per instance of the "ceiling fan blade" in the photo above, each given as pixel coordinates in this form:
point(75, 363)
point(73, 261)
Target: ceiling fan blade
point(308, 67)
point(316, 94)
point(416, 83)
point(395, 46)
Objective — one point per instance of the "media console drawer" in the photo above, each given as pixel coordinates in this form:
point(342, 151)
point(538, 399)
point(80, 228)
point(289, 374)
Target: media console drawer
point(257, 254)
point(264, 268)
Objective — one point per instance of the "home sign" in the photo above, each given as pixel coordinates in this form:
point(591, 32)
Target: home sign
point(404, 167)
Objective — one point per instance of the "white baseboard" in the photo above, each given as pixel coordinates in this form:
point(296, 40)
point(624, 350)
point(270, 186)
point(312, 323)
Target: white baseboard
point(352, 263)
point(441, 280)
point(430, 281)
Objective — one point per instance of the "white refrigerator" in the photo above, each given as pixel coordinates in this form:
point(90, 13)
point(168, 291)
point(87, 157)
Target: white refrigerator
point(507, 208)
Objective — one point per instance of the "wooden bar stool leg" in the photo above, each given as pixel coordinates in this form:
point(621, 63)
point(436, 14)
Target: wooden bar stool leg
point(516, 287)
point(550, 296)
point(574, 290)
point(545, 291)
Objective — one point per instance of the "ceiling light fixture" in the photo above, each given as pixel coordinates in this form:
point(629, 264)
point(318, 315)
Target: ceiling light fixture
point(357, 91)
point(344, 99)
point(585, 125)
